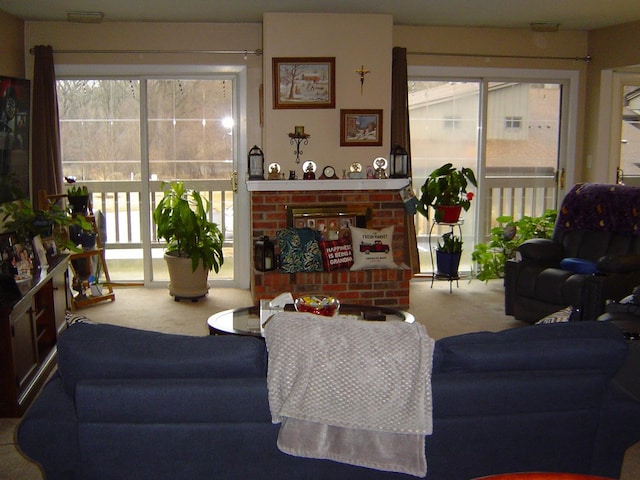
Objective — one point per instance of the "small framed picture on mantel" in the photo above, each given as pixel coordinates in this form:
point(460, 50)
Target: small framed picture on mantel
point(360, 128)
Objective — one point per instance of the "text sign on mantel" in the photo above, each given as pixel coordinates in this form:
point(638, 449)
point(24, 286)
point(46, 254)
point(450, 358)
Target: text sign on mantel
point(317, 185)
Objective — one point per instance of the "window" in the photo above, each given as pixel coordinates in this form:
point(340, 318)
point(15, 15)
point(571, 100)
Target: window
point(513, 122)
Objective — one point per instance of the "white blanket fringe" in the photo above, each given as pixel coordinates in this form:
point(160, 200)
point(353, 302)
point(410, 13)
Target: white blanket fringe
point(352, 391)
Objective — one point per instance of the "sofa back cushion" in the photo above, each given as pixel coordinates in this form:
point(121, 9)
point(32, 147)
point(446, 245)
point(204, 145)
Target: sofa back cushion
point(112, 352)
point(598, 346)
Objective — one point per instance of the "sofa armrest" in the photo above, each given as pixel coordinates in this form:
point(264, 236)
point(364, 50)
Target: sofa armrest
point(541, 250)
point(619, 263)
point(48, 432)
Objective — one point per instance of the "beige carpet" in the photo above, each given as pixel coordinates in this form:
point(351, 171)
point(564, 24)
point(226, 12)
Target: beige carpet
point(472, 306)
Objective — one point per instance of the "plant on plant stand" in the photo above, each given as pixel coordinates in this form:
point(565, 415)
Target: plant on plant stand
point(445, 189)
point(78, 199)
point(448, 253)
point(194, 244)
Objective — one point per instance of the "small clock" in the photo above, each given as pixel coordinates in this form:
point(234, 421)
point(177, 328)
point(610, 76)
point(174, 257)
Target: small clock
point(328, 172)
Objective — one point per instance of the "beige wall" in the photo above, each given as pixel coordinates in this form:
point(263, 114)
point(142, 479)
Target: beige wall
point(11, 46)
point(354, 41)
point(613, 49)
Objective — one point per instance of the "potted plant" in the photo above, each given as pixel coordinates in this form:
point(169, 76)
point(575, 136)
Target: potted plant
point(27, 222)
point(445, 189)
point(448, 253)
point(490, 257)
point(78, 199)
point(194, 244)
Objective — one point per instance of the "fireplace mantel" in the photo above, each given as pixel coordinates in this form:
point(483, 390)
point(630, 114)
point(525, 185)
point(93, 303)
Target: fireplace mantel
point(327, 185)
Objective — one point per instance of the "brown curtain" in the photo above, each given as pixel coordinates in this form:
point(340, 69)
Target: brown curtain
point(46, 164)
point(400, 136)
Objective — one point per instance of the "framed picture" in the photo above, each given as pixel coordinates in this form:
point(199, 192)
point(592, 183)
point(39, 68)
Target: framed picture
point(304, 82)
point(7, 254)
point(360, 128)
point(14, 138)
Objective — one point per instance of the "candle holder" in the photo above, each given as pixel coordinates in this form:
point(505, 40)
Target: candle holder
point(296, 139)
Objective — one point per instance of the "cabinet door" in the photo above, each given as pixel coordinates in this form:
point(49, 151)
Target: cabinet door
point(25, 358)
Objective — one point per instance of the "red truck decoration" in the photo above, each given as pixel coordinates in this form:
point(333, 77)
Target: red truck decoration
point(376, 246)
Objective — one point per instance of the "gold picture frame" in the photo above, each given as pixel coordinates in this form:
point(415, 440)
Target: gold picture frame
point(304, 82)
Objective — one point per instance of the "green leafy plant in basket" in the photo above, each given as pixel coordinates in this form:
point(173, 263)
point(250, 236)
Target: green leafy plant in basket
point(491, 257)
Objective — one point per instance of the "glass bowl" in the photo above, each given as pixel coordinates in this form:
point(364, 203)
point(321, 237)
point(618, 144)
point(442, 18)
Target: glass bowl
point(324, 305)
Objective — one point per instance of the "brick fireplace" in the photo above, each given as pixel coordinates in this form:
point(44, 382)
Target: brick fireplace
point(270, 203)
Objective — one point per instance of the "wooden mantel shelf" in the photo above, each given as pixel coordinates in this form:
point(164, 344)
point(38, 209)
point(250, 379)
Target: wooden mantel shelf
point(325, 185)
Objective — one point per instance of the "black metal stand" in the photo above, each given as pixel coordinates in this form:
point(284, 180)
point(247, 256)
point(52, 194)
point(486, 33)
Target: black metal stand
point(443, 276)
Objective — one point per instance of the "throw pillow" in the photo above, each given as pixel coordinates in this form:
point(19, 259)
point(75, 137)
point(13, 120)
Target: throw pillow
point(563, 315)
point(579, 265)
point(372, 248)
point(336, 254)
point(299, 250)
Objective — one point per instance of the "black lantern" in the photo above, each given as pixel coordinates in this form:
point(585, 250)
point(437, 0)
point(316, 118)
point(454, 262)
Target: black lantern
point(256, 164)
point(399, 162)
point(264, 254)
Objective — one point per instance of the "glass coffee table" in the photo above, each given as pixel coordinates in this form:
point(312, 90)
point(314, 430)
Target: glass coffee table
point(246, 320)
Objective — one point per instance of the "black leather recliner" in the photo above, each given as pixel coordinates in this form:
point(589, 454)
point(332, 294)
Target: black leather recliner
point(593, 256)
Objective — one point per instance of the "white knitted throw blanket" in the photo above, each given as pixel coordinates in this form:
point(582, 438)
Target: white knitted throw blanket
point(351, 391)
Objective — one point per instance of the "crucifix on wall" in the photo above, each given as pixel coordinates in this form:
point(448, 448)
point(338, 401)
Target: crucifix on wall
point(362, 72)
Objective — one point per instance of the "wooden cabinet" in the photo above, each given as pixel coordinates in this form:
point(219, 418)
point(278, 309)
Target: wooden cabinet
point(29, 331)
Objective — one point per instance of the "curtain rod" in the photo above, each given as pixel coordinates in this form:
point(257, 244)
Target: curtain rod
point(575, 59)
point(256, 52)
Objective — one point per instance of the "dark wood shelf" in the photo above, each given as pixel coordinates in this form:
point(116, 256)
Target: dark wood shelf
point(28, 336)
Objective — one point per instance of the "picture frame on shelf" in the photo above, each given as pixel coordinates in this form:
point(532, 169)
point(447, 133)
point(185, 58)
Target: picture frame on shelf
point(360, 128)
point(304, 82)
point(7, 253)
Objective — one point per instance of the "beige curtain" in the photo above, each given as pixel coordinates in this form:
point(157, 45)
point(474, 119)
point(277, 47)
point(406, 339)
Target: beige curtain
point(400, 136)
point(46, 164)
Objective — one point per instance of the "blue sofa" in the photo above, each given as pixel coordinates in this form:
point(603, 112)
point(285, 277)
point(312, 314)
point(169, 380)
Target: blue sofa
point(133, 404)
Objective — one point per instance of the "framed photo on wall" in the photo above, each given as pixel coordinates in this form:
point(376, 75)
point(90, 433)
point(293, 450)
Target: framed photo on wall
point(14, 138)
point(360, 128)
point(304, 82)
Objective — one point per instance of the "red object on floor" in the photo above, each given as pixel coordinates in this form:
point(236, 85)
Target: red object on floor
point(542, 476)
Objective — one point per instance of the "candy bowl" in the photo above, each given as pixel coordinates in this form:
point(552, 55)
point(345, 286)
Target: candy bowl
point(324, 305)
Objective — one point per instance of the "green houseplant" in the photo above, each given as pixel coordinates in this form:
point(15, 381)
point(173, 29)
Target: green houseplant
point(27, 222)
point(490, 257)
point(78, 198)
point(446, 187)
point(448, 253)
point(193, 242)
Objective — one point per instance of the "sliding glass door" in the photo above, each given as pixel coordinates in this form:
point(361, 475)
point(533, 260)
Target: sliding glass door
point(123, 136)
point(512, 132)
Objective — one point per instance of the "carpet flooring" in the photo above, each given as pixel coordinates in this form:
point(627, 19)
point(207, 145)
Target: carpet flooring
point(471, 306)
